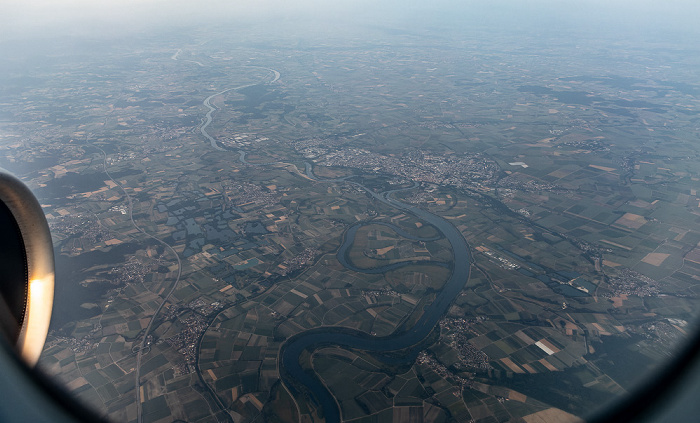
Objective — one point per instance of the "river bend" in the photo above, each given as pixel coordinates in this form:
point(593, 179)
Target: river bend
point(291, 371)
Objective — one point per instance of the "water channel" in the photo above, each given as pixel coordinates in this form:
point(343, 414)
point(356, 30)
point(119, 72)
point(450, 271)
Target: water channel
point(291, 371)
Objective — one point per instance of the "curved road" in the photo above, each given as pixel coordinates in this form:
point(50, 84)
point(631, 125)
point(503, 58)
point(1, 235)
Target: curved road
point(142, 347)
point(293, 374)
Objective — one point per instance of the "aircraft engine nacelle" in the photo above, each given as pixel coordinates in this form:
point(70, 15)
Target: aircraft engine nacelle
point(26, 269)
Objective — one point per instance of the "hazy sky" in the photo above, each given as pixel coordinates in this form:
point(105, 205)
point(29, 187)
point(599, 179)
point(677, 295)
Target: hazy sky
point(23, 18)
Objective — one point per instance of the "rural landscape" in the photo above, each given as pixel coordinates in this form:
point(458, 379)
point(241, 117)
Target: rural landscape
point(428, 225)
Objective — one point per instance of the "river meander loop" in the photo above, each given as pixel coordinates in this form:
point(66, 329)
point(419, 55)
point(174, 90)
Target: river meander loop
point(293, 374)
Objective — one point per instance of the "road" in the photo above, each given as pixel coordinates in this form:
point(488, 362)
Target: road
point(139, 354)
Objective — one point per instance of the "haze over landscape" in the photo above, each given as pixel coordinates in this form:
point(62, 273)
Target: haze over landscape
point(454, 211)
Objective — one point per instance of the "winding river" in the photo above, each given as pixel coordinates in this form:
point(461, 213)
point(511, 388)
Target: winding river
point(207, 102)
point(291, 371)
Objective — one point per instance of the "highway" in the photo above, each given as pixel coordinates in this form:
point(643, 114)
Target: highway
point(141, 347)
